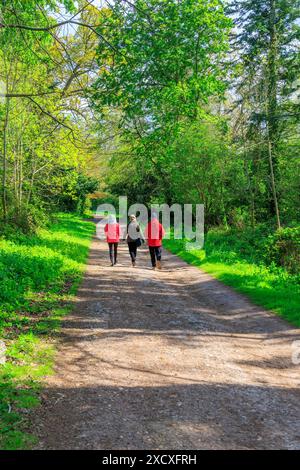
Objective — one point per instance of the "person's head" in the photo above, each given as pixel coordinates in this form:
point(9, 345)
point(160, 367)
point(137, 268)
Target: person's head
point(132, 218)
point(154, 216)
point(112, 219)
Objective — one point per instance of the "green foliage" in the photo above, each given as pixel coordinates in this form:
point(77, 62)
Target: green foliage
point(169, 66)
point(266, 118)
point(181, 140)
point(42, 156)
point(23, 41)
point(255, 22)
point(168, 60)
point(27, 218)
point(104, 199)
point(85, 185)
point(283, 248)
point(38, 275)
point(176, 117)
point(77, 201)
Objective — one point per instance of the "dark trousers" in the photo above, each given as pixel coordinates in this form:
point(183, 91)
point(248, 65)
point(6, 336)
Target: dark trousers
point(113, 252)
point(132, 250)
point(155, 253)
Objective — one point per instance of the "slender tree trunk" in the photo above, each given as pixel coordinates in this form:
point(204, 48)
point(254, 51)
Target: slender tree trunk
point(272, 75)
point(273, 182)
point(15, 173)
point(272, 105)
point(31, 181)
point(252, 209)
point(20, 175)
point(20, 167)
point(4, 173)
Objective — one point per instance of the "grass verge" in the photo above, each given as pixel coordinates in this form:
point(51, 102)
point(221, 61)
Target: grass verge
point(39, 276)
point(268, 286)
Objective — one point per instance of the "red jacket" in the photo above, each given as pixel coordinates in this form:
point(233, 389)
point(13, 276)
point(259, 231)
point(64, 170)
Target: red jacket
point(112, 232)
point(154, 233)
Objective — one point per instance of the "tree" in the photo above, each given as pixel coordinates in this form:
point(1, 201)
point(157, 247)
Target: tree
point(168, 60)
point(45, 126)
point(267, 46)
point(167, 66)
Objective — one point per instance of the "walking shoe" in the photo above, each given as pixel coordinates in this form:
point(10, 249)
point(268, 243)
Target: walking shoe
point(158, 264)
point(154, 268)
point(133, 264)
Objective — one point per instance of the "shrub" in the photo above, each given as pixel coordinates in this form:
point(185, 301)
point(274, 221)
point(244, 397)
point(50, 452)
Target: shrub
point(283, 249)
point(24, 220)
point(29, 218)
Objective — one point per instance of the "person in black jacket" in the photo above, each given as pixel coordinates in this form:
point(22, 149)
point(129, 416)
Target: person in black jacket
point(134, 238)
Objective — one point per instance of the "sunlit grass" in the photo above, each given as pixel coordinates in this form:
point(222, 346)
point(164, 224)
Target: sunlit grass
point(38, 276)
point(268, 286)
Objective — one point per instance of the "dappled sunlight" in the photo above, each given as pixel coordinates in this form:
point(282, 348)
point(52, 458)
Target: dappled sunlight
point(152, 125)
point(168, 359)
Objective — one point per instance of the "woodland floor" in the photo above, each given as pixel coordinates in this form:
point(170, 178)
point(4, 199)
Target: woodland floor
point(168, 360)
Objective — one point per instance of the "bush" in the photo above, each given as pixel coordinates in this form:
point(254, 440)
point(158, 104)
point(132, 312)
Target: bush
point(30, 219)
point(248, 244)
point(283, 249)
point(25, 220)
point(104, 199)
point(237, 218)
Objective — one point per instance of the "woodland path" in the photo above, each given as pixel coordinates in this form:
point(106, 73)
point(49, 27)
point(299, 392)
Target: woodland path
point(168, 360)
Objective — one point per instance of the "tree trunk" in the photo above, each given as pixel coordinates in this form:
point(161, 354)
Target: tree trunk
point(252, 209)
point(273, 182)
point(272, 105)
point(272, 75)
point(4, 173)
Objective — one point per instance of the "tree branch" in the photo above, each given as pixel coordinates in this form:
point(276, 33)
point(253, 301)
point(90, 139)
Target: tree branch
point(58, 25)
point(51, 115)
point(32, 95)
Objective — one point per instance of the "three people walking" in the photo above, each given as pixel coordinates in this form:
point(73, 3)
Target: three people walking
point(134, 237)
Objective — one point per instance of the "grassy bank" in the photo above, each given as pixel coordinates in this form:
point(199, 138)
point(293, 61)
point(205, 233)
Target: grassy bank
point(38, 276)
point(237, 259)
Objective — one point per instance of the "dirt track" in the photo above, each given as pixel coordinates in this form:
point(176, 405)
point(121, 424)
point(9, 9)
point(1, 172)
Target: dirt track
point(168, 360)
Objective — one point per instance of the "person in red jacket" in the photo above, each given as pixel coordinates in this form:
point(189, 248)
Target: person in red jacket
point(112, 231)
point(154, 233)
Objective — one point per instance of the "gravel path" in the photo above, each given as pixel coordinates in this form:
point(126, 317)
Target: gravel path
point(168, 360)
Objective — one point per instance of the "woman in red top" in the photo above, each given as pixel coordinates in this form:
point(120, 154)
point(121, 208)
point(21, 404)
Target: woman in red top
point(112, 231)
point(154, 233)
